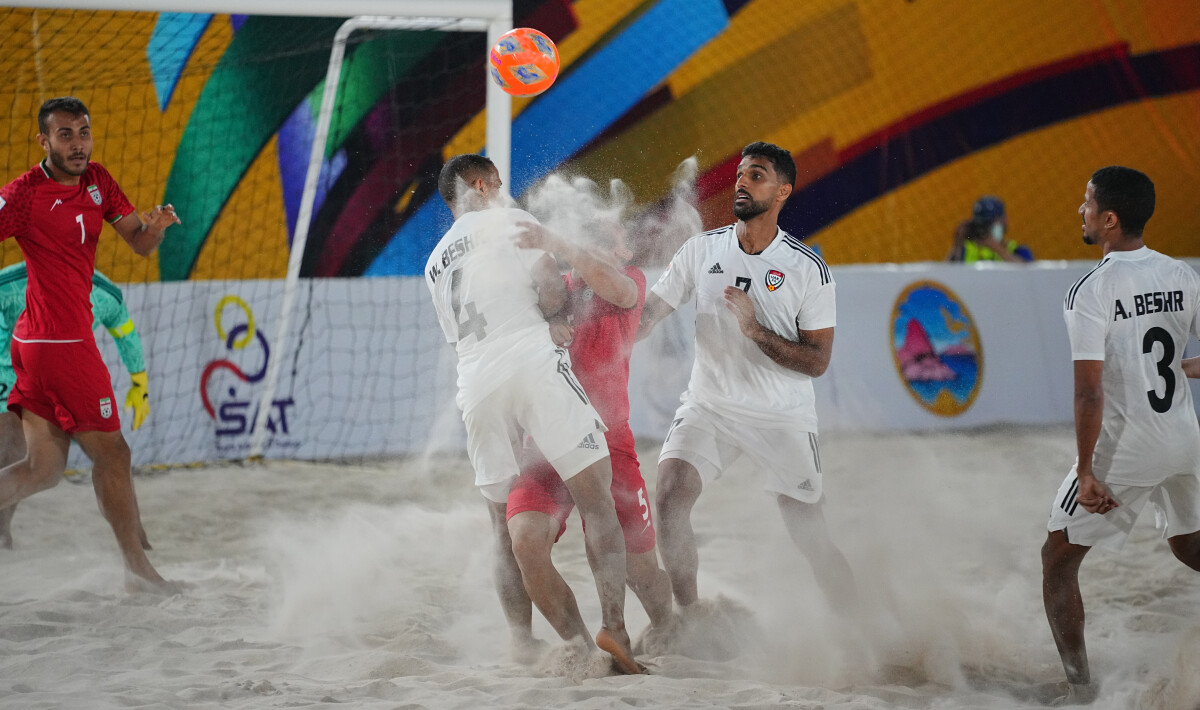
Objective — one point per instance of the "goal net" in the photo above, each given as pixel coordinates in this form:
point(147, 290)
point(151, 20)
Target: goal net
point(258, 335)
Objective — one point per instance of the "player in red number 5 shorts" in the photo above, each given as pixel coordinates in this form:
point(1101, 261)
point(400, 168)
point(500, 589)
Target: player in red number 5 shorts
point(56, 211)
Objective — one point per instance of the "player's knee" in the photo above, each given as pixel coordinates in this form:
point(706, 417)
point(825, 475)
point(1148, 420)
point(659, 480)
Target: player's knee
point(679, 485)
point(530, 550)
point(1060, 556)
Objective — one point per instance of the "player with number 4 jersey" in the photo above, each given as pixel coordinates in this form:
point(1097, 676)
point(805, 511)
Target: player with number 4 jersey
point(492, 300)
point(1129, 320)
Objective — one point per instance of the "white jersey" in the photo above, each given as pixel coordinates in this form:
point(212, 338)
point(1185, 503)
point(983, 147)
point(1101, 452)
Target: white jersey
point(1136, 311)
point(487, 302)
point(791, 288)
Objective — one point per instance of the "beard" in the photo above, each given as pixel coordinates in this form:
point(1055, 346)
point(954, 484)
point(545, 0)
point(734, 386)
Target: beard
point(1089, 239)
point(750, 209)
point(59, 160)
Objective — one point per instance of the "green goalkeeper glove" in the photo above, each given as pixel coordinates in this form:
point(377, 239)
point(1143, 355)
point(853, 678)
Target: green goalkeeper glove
point(138, 398)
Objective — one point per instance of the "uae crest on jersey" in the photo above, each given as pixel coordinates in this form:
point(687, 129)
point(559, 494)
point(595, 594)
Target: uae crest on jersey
point(106, 407)
point(94, 191)
point(774, 279)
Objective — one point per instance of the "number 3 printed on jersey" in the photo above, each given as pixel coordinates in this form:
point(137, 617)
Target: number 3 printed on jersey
point(1157, 335)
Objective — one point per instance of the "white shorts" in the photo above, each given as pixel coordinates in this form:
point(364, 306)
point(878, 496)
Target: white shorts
point(1176, 510)
point(548, 404)
point(790, 460)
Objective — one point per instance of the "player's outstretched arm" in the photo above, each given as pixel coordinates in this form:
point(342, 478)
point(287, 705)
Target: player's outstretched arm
point(606, 281)
point(654, 310)
point(1191, 367)
point(144, 234)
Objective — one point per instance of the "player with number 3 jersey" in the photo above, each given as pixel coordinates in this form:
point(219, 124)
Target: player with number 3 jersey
point(1129, 320)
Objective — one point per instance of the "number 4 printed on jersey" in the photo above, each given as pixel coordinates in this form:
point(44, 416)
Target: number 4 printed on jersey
point(475, 322)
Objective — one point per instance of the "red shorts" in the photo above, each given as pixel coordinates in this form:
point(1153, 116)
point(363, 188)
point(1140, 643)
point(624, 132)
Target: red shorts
point(539, 489)
point(65, 383)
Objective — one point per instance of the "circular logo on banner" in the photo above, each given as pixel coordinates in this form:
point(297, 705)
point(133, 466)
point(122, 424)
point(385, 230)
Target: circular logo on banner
point(935, 346)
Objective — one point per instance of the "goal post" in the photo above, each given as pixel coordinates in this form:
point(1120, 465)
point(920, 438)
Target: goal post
point(283, 324)
point(499, 149)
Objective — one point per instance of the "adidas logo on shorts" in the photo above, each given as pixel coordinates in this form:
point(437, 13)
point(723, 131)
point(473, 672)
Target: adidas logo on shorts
point(806, 486)
point(589, 442)
point(716, 269)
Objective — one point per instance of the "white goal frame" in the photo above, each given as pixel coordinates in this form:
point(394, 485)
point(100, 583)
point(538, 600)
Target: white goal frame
point(491, 16)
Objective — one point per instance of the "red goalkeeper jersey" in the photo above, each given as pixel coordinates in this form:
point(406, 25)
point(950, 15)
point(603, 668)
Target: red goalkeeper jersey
point(604, 337)
point(57, 227)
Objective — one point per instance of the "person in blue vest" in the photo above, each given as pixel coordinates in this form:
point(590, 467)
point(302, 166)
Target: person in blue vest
point(984, 237)
point(108, 309)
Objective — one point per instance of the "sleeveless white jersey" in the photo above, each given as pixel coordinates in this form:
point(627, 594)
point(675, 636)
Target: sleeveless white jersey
point(487, 301)
point(1136, 311)
point(791, 288)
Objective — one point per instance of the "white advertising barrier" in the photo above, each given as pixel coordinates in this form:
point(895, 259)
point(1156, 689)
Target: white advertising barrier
point(918, 347)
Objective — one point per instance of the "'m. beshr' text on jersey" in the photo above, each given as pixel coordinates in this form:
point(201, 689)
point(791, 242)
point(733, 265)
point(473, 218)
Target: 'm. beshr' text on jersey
point(454, 250)
point(1146, 303)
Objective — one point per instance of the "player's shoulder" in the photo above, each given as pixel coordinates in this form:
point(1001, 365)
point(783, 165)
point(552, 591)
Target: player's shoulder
point(803, 257)
point(705, 242)
point(97, 172)
point(25, 183)
point(1089, 284)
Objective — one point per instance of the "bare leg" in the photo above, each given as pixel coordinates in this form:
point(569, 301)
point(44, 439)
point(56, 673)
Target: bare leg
point(515, 601)
point(806, 525)
point(533, 536)
point(651, 585)
point(679, 487)
point(12, 450)
point(1187, 549)
point(605, 543)
point(113, 484)
point(43, 465)
point(1064, 603)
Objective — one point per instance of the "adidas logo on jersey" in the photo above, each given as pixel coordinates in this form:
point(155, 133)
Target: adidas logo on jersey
point(589, 442)
point(716, 269)
point(806, 486)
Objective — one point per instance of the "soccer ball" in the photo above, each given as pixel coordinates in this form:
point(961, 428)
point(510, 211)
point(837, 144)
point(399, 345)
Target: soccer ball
point(524, 62)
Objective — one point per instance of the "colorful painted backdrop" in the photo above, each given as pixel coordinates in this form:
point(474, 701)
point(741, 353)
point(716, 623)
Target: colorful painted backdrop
point(901, 114)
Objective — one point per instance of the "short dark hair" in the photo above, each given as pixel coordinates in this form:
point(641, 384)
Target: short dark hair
point(780, 158)
point(459, 167)
point(66, 104)
point(1127, 192)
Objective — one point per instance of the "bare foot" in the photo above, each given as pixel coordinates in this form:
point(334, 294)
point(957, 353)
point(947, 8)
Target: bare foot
point(157, 585)
point(616, 644)
point(1077, 694)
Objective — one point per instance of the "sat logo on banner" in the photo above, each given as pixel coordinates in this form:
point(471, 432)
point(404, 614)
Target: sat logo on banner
point(231, 402)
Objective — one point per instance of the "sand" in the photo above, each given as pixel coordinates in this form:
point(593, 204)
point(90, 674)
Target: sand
point(317, 585)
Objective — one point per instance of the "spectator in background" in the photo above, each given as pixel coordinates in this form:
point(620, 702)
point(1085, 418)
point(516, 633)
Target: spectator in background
point(983, 237)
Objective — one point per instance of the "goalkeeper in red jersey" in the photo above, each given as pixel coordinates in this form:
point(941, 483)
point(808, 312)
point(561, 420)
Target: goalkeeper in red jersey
point(604, 305)
point(56, 211)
